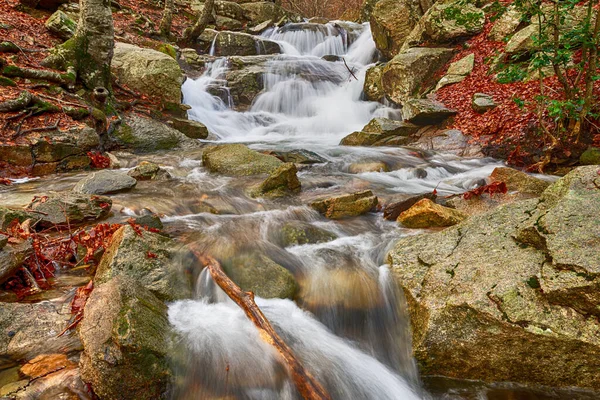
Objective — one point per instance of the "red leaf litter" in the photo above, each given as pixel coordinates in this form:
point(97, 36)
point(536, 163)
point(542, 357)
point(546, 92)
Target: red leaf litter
point(98, 160)
point(491, 189)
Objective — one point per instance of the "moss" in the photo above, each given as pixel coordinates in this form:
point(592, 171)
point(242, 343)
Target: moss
point(533, 282)
point(7, 82)
point(168, 50)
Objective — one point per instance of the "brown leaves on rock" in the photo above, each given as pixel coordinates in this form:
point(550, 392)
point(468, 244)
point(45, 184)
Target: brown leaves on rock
point(98, 160)
point(491, 189)
point(77, 305)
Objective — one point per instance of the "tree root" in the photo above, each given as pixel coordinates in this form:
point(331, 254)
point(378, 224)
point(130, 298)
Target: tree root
point(9, 47)
point(66, 79)
point(17, 104)
point(307, 385)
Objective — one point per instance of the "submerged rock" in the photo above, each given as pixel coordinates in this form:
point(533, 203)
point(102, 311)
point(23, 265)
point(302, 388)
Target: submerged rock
point(125, 334)
point(281, 182)
point(259, 274)
point(375, 166)
point(347, 205)
point(297, 233)
point(238, 160)
point(151, 259)
point(513, 291)
point(148, 71)
point(427, 214)
point(105, 182)
point(146, 171)
point(69, 208)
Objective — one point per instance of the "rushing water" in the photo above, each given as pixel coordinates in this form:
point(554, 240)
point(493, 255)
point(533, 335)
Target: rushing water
point(349, 323)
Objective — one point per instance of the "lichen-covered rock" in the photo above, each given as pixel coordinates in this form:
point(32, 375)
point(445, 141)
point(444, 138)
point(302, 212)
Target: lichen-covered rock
point(457, 71)
point(281, 182)
point(590, 157)
point(242, 44)
point(69, 208)
point(522, 41)
point(391, 22)
point(427, 214)
point(347, 205)
point(126, 340)
point(425, 112)
point(259, 274)
point(148, 71)
point(61, 25)
point(382, 132)
point(229, 9)
point(144, 135)
point(257, 12)
point(295, 233)
point(483, 102)
point(151, 259)
point(411, 73)
point(513, 291)
point(373, 87)
point(507, 24)
point(238, 160)
point(105, 182)
point(519, 181)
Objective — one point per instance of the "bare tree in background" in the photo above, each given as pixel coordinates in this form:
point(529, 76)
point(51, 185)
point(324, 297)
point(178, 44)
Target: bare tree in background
point(167, 19)
point(191, 35)
point(322, 8)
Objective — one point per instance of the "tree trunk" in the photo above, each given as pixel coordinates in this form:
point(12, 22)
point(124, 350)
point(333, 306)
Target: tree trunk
point(167, 19)
point(191, 35)
point(90, 50)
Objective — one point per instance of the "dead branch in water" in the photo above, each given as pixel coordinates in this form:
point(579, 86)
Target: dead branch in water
point(306, 384)
point(348, 68)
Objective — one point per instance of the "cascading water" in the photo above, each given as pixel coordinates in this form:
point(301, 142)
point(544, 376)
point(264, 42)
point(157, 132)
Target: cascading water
point(349, 323)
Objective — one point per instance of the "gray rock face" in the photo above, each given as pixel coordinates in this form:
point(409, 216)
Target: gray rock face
point(12, 257)
point(60, 209)
point(145, 135)
point(125, 335)
point(373, 88)
point(506, 25)
point(257, 12)
point(238, 160)
point(151, 259)
point(105, 182)
point(425, 112)
point(483, 102)
point(514, 291)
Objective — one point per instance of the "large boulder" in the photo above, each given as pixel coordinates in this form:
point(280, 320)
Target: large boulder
point(450, 141)
point(151, 259)
point(229, 9)
point(411, 73)
point(69, 208)
point(510, 295)
point(523, 41)
point(258, 12)
point(144, 135)
point(373, 88)
point(191, 129)
point(238, 160)
point(391, 22)
point(148, 71)
point(280, 183)
point(126, 340)
point(105, 182)
point(427, 214)
point(507, 24)
point(229, 43)
point(259, 274)
point(590, 157)
point(347, 205)
point(382, 132)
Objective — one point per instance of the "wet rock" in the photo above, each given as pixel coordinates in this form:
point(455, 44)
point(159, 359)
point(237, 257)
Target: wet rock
point(457, 71)
point(485, 203)
point(426, 214)
point(332, 58)
point(590, 157)
point(144, 135)
point(450, 141)
point(411, 73)
point(8, 215)
point(483, 102)
point(238, 160)
point(151, 259)
point(507, 24)
point(347, 205)
point(373, 87)
point(519, 181)
point(12, 257)
point(146, 171)
point(281, 182)
point(61, 25)
point(259, 274)
point(392, 21)
point(69, 208)
point(57, 146)
point(446, 22)
point(300, 156)
point(425, 112)
point(360, 168)
point(125, 334)
point(514, 291)
point(148, 71)
point(45, 364)
point(242, 44)
point(105, 182)
point(151, 221)
point(191, 129)
point(257, 12)
point(3, 241)
point(392, 211)
point(58, 383)
point(19, 155)
point(382, 132)
point(295, 233)
point(31, 329)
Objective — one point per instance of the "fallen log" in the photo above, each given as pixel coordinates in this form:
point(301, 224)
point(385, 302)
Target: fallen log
point(308, 387)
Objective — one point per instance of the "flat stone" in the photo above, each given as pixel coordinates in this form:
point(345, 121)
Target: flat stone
point(105, 182)
point(483, 102)
point(238, 160)
point(425, 112)
point(69, 208)
point(347, 205)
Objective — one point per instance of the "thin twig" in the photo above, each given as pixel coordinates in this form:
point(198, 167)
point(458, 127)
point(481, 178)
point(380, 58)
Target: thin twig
point(348, 68)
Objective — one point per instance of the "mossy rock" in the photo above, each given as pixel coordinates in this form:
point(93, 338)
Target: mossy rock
point(238, 160)
point(295, 233)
